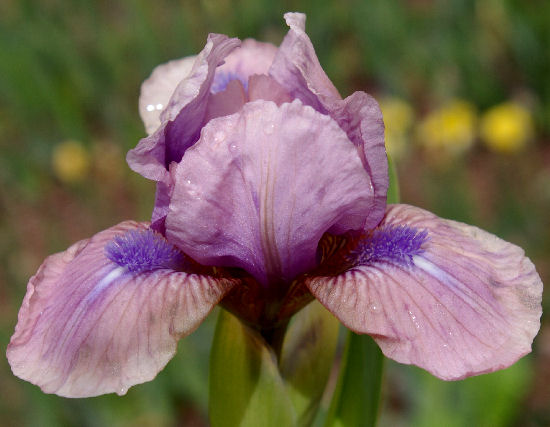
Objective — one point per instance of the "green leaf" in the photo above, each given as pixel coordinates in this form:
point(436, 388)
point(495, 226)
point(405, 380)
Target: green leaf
point(357, 395)
point(306, 358)
point(246, 388)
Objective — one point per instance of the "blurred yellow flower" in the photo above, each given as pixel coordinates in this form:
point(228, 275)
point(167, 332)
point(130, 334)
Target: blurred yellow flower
point(70, 161)
point(451, 128)
point(506, 127)
point(398, 118)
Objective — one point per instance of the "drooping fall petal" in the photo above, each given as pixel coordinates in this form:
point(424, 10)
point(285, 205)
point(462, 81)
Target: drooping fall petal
point(260, 187)
point(89, 325)
point(445, 296)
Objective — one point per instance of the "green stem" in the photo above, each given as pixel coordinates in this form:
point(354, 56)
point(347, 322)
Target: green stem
point(357, 396)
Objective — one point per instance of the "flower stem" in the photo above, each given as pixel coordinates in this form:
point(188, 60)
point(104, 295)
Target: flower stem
point(357, 396)
point(275, 337)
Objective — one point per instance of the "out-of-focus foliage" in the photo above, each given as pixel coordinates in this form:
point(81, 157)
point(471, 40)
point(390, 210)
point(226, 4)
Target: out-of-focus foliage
point(69, 82)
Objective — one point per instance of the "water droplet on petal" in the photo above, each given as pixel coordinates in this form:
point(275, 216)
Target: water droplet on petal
point(269, 128)
point(413, 318)
point(150, 107)
point(374, 308)
point(159, 107)
point(122, 391)
point(219, 136)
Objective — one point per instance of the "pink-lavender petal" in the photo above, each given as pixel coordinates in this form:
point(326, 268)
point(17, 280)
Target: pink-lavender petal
point(445, 296)
point(298, 70)
point(157, 90)
point(107, 313)
point(251, 58)
point(265, 87)
point(261, 187)
point(183, 117)
point(226, 102)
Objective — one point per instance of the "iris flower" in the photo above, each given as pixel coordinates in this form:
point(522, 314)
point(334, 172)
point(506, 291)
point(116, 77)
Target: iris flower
point(271, 191)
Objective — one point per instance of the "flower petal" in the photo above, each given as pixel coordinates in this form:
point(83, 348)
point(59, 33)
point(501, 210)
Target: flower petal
point(298, 70)
point(183, 117)
point(250, 193)
point(89, 326)
point(251, 58)
point(159, 87)
point(462, 304)
point(361, 118)
point(226, 102)
point(264, 87)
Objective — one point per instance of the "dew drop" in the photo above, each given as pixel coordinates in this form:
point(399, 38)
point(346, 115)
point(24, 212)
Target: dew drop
point(150, 107)
point(159, 107)
point(269, 128)
point(122, 391)
point(219, 136)
point(374, 308)
point(413, 318)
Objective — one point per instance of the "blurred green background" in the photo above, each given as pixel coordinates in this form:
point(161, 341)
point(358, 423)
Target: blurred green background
point(465, 90)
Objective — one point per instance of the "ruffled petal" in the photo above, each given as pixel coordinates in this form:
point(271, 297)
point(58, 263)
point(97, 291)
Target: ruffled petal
point(445, 296)
point(90, 326)
point(361, 118)
point(298, 70)
point(183, 117)
point(159, 87)
point(261, 187)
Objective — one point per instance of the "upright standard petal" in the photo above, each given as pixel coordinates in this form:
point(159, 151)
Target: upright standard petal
point(252, 57)
point(298, 70)
point(183, 117)
point(445, 296)
point(157, 90)
point(107, 313)
point(261, 187)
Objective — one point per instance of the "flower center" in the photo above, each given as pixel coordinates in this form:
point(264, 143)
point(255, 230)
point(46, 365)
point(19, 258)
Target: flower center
point(391, 244)
point(144, 250)
point(222, 79)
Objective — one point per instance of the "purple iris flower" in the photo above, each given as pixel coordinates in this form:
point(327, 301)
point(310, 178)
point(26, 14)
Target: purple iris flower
point(271, 191)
